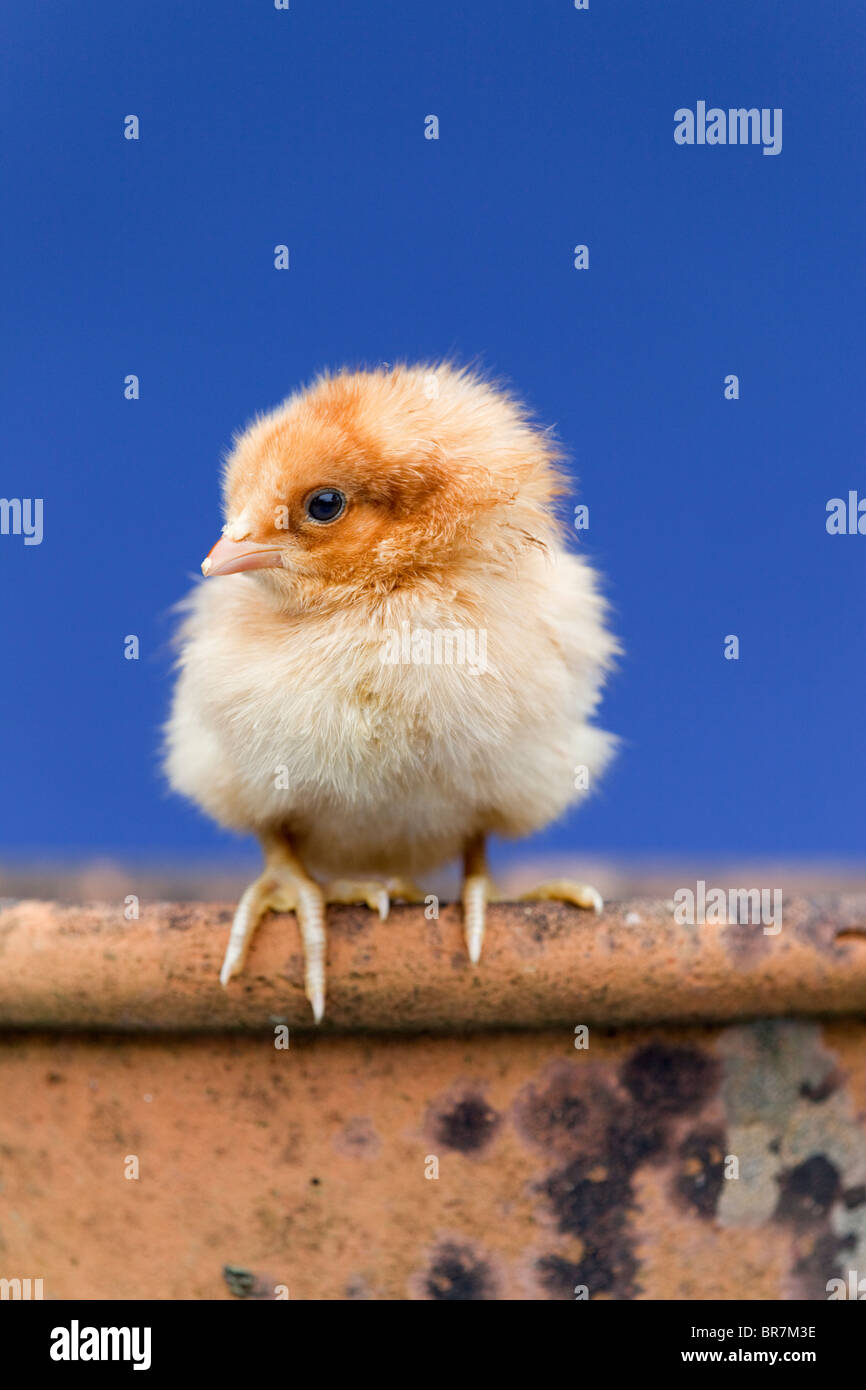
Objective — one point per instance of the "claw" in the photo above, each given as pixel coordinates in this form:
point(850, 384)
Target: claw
point(373, 895)
point(317, 1003)
point(310, 912)
point(255, 902)
point(565, 890)
point(476, 891)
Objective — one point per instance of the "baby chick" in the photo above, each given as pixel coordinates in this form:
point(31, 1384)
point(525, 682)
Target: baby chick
point(384, 529)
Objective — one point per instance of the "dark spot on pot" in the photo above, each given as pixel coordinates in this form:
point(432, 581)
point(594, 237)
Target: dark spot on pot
point(358, 1138)
point(458, 1275)
point(746, 942)
point(634, 1140)
point(54, 1078)
point(563, 1112)
point(667, 1080)
point(585, 1194)
point(315, 1182)
point(572, 1112)
point(241, 1282)
point(541, 923)
point(807, 1192)
point(701, 1170)
point(179, 921)
point(823, 1261)
point(558, 1277)
point(467, 1126)
point(354, 919)
point(823, 1089)
point(608, 1269)
point(591, 1201)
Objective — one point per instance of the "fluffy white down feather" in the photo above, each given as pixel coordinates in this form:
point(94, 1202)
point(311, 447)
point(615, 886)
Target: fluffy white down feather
point(292, 720)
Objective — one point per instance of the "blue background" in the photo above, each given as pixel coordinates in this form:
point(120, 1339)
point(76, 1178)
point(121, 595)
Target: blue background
point(306, 127)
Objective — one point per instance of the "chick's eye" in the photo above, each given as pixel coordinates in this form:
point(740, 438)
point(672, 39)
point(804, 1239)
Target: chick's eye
point(325, 505)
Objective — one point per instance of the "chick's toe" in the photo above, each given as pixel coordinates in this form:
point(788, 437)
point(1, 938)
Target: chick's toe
point(566, 890)
point(284, 886)
point(349, 890)
point(478, 891)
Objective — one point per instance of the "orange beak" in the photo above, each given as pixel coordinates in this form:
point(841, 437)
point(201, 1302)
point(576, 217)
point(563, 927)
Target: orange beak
point(231, 557)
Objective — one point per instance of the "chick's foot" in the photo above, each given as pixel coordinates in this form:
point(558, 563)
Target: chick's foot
point(377, 896)
point(284, 886)
point(566, 890)
point(349, 890)
point(479, 890)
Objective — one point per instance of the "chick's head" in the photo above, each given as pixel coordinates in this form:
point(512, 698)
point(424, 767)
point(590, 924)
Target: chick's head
point(371, 481)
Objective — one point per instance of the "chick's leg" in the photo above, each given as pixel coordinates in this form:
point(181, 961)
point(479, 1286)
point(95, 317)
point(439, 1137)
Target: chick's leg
point(284, 886)
point(478, 891)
